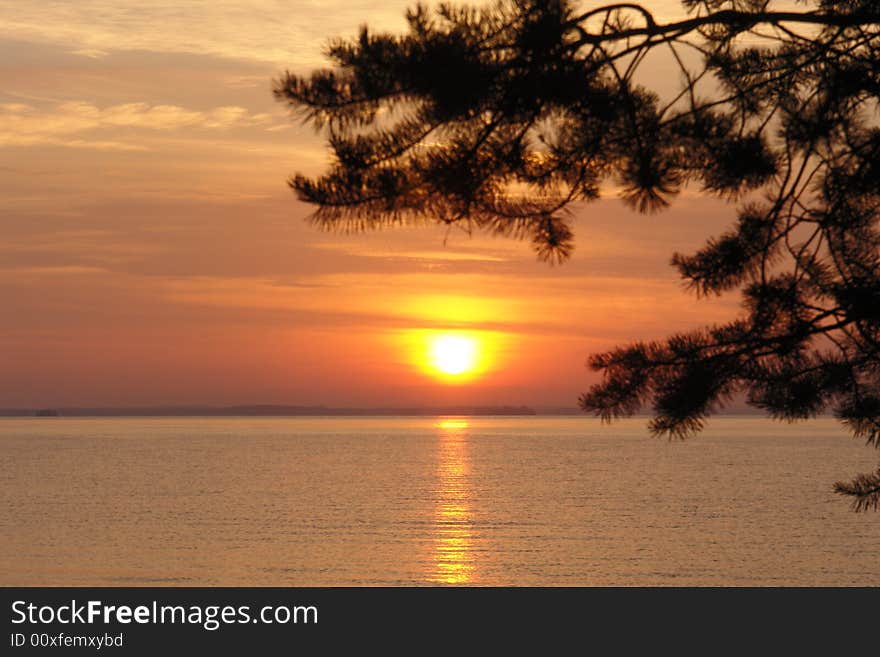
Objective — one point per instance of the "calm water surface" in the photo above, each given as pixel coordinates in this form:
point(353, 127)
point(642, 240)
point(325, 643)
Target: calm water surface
point(388, 501)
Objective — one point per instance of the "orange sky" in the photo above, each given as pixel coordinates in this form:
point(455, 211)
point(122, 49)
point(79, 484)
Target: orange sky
point(152, 253)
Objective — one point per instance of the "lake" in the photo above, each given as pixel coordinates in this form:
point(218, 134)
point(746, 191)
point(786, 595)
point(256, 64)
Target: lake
point(382, 501)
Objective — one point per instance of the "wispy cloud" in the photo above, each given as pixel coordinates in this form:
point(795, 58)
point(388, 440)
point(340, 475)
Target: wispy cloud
point(81, 124)
point(537, 305)
point(91, 53)
point(60, 270)
point(275, 31)
point(432, 255)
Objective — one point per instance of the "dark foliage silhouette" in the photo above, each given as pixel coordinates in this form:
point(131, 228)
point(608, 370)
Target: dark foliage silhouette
point(502, 118)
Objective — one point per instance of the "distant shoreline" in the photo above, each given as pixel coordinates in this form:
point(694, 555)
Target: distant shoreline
point(270, 410)
point(267, 410)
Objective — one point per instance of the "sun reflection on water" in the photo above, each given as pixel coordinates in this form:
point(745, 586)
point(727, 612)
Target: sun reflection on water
point(452, 424)
point(454, 561)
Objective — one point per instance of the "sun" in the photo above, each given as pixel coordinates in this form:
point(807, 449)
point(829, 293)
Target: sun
point(453, 354)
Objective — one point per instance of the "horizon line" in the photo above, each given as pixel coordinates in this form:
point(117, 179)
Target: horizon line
point(315, 410)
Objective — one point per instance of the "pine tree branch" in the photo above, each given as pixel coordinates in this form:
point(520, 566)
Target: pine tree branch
point(725, 17)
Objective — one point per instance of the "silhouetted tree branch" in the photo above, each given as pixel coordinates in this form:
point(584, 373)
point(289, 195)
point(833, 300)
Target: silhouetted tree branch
point(503, 118)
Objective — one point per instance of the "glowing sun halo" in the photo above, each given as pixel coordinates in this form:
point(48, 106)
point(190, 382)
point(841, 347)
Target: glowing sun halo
point(453, 354)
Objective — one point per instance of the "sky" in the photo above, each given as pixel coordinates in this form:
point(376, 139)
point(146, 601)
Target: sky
point(152, 252)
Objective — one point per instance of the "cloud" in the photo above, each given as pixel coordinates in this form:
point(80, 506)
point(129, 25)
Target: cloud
point(275, 31)
point(91, 53)
point(60, 270)
point(616, 308)
point(81, 124)
point(422, 255)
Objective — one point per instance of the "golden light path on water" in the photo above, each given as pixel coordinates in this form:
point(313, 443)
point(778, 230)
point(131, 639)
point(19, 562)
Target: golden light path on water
point(454, 558)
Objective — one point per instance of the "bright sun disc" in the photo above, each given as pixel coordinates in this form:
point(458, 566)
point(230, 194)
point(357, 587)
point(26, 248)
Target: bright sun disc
point(453, 354)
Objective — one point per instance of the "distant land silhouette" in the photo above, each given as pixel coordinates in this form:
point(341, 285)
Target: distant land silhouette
point(282, 410)
point(276, 410)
